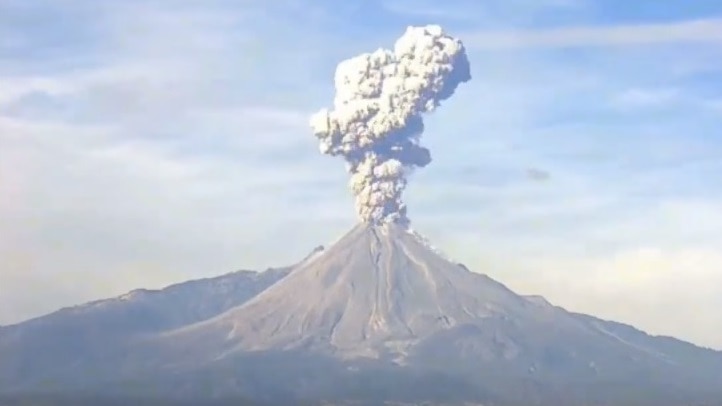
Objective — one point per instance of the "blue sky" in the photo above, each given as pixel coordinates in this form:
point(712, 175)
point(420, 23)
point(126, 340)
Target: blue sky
point(148, 142)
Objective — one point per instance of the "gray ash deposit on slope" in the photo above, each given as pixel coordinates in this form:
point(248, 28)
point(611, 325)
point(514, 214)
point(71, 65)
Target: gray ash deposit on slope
point(378, 290)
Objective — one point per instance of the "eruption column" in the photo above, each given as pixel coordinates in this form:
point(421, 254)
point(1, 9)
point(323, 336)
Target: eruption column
point(376, 122)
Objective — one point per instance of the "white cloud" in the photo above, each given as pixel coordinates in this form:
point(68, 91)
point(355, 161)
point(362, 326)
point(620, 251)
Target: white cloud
point(707, 30)
point(647, 97)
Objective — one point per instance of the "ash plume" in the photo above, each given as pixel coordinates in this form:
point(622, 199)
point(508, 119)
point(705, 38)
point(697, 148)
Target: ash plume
point(376, 122)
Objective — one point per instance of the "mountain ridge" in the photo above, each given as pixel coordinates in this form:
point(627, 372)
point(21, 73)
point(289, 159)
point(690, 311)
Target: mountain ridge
point(377, 311)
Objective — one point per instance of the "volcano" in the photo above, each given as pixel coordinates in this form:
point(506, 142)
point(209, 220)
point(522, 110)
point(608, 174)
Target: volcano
point(380, 315)
point(376, 293)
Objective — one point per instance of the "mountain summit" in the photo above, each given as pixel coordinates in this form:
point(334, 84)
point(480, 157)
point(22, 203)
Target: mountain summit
point(378, 315)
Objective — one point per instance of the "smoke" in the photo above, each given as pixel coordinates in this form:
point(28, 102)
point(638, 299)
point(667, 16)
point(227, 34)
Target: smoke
point(376, 122)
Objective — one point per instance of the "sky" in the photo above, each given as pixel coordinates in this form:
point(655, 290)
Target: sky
point(144, 143)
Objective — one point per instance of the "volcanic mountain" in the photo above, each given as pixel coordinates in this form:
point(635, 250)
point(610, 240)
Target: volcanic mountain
point(379, 315)
point(377, 292)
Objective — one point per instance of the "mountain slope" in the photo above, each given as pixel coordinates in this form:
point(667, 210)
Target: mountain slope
point(382, 294)
point(379, 315)
point(50, 344)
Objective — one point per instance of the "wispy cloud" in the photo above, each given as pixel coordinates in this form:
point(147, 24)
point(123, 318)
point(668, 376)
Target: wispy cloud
point(705, 31)
point(432, 10)
point(109, 163)
point(646, 97)
point(492, 13)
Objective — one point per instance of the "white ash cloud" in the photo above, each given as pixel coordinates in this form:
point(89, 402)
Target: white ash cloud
point(376, 122)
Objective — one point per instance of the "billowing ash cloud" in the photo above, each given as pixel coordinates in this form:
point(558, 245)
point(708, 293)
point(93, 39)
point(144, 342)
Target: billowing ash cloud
point(376, 122)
